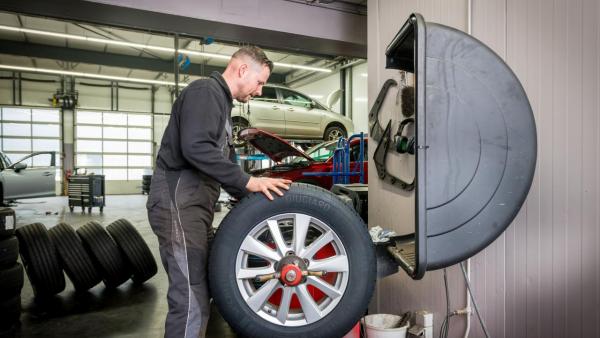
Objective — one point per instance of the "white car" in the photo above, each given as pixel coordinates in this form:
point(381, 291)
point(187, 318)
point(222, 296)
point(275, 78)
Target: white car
point(290, 115)
point(18, 180)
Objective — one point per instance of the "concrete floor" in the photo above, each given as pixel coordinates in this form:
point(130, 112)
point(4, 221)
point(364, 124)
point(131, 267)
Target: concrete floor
point(127, 311)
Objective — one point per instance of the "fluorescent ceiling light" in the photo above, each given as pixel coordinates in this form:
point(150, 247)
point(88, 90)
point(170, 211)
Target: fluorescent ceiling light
point(88, 75)
point(148, 47)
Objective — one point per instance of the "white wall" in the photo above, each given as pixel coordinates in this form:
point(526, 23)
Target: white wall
point(319, 90)
point(360, 106)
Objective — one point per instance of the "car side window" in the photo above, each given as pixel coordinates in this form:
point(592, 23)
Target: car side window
point(269, 95)
point(295, 99)
point(355, 152)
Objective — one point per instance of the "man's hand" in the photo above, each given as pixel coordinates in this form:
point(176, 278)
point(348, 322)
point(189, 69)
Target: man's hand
point(267, 184)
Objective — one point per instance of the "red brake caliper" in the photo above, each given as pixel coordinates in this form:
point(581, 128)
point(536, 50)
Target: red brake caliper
point(326, 252)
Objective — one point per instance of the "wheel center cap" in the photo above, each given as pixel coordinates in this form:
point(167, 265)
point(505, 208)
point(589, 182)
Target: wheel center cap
point(291, 275)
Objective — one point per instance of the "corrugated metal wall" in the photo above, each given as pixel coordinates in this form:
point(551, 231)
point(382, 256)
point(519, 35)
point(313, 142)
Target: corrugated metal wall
point(542, 277)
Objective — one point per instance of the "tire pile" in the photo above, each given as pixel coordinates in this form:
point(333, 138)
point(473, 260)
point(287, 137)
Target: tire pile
point(87, 255)
point(11, 273)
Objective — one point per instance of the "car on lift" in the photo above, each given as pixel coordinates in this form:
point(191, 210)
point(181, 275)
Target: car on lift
point(32, 176)
point(289, 114)
point(292, 163)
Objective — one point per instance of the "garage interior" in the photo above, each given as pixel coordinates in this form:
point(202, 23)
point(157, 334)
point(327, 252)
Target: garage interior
point(95, 82)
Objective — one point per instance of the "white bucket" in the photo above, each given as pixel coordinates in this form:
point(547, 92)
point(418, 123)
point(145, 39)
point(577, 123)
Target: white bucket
point(384, 326)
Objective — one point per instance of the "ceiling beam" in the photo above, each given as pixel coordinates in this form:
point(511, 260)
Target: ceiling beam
point(107, 59)
point(138, 19)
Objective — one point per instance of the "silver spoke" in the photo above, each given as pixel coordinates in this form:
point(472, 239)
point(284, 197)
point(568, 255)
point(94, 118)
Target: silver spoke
point(253, 272)
point(337, 263)
point(317, 245)
point(301, 225)
point(257, 300)
point(277, 238)
point(309, 307)
point(284, 307)
point(325, 287)
point(254, 247)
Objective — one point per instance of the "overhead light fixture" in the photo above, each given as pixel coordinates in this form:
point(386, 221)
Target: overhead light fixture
point(148, 47)
point(88, 75)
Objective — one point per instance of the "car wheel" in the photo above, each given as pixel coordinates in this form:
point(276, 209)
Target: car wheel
point(39, 258)
point(9, 251)
point(11, 281)
point(238, 124)
point(333, 133)
point(105, 254)
point(302, 265)
point(134, 249)
point(76, 262)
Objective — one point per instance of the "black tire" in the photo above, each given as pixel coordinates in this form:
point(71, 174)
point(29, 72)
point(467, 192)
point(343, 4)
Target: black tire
point(105, 254)
point(238, 124)
point(334, 132)
point(7, 223)
point(134, 249)
point(75, 260)
point(318, 204)
point(40, 260)
point(9, 251)
point(11, 281)
point(10, 310)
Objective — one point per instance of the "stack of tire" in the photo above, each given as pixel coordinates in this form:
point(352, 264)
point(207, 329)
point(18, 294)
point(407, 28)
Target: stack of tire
point(11, 274)
point(146, 179)
point(87, 255)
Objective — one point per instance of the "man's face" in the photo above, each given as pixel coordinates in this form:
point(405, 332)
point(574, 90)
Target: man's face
point(252, 78)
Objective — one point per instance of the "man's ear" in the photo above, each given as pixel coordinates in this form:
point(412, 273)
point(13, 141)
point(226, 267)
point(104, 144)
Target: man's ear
point(242, 70)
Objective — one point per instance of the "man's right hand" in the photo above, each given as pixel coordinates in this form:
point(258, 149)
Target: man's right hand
point(267, 184)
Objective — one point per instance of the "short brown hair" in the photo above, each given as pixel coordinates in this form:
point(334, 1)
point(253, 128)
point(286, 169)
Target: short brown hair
point(256, 54)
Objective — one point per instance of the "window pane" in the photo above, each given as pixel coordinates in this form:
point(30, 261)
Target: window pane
point(268, 95)
point(115, 160)
point(115, 174)
point(89, 117)
point(46, 145)
point(140, 147)
point(140, 161)
point(41, 160)
point(15, 157)
point(45, 115)
point(89, 132)
point(140, 120)
point(89, 146)
point(88, 160)
point(115, 118)
point(16, 114)
point(115, 132)
point(140, 134)
point(46, 130)
point(115, 147)
point(295, 99)
point(13, 144)
point(136, 174)
point(16, 129)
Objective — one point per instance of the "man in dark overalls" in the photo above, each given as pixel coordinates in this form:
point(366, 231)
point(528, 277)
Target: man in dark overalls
point(196, 158)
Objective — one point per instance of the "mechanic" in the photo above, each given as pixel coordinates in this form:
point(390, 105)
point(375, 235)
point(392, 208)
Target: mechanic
point(197, 158)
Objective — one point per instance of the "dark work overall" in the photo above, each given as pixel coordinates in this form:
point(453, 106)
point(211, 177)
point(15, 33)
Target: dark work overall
point(180, 210)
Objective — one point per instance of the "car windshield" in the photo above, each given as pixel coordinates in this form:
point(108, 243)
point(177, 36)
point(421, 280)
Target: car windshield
point(5, 160)
point(320, 153)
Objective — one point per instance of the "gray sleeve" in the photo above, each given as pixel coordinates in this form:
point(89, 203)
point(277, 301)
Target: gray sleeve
point(201, 122)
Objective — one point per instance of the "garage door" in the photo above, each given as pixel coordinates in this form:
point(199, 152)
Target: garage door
point(27, 130)
point(115, 144)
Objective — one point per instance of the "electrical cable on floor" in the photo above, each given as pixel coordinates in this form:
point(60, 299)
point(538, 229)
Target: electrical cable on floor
point(445, 324)
point(485, 331)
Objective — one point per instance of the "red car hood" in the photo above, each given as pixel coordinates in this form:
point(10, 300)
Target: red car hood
point(271, 145)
